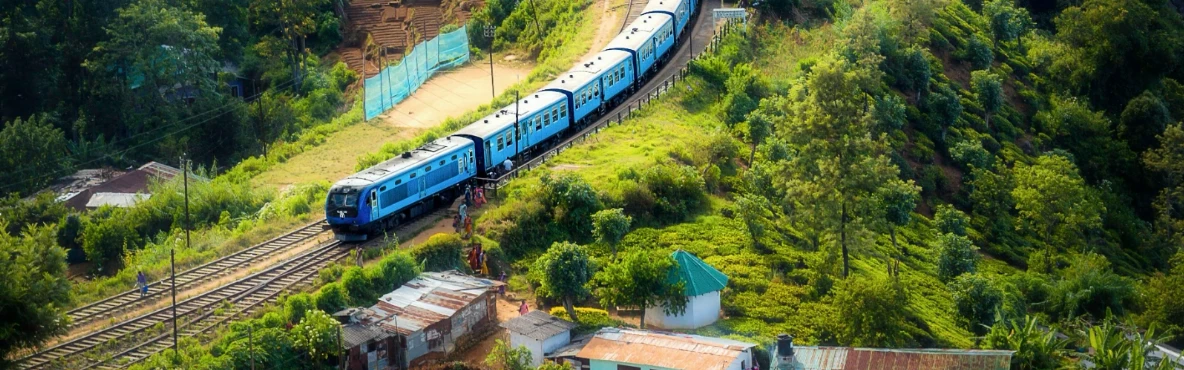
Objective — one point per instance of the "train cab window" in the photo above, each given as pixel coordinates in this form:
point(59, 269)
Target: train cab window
point(555, 114)
point(501, 144)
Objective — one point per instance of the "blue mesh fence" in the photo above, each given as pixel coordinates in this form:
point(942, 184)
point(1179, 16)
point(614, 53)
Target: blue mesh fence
point(397, 81)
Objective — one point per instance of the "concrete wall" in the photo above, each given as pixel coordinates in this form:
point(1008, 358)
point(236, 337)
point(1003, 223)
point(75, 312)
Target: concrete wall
point(610, 365)
point(702, 310)
point(559, 340)
point(535, 347)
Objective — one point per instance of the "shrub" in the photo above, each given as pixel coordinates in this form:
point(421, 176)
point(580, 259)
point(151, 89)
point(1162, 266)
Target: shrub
point(331, 298)
point(977, 301)
point(677, 191)
point(591, 319)
point(956, 256)
point(441, 252)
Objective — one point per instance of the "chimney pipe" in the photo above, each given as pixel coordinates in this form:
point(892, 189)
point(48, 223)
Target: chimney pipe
point(785, 349)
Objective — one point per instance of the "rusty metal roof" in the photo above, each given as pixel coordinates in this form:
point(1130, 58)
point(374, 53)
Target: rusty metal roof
point(846, 358)
point(425, 300)
point(667, 350)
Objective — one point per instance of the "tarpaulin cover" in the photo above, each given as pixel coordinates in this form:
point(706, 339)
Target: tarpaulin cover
point(396, 81)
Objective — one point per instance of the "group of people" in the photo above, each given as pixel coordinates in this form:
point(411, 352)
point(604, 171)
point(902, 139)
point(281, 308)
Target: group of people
point(477, 261)
point(462, 222)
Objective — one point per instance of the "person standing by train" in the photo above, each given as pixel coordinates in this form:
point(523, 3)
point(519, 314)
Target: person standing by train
point(479, 197)
point(507, 165)
point(468, 195)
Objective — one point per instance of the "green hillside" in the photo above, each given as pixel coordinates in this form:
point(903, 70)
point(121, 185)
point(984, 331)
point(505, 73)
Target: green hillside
point(901, 174)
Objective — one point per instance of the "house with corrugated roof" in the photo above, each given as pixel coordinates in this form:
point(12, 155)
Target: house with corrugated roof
point(540, 332)
point(630, 349)
point(420, 322)
point(790, 357)
point(703, 284)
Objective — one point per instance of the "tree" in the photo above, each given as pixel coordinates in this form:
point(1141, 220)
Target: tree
point(872, 312)
point(950, 220)
point(917, 71)
point(979, 53)
point(988, 88)
point(508, 358)
point(293, 21)
point(572, 202)
point(641, 279)
point(839, 164)
point(159, 50)
point(1143, 118)
point(970, 154)
point(1035, 348)
point(1087, 134)
point(898, 200)
point(1168, 159)
point(759, 124)
point(32, 153)
point(944, 107)
point(753, 210)
point(610, 225)
point(1008, 22)
point(36, 292)
point(1054, 201)
point(956, 256)
point(317, 335)
point(977, 300)
point(564, 271)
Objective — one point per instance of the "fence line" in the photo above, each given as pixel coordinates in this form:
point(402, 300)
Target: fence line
point(630, 107)
point(397, 82)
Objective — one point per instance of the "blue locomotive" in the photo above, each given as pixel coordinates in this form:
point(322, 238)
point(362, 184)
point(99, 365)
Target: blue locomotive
point(382, 196)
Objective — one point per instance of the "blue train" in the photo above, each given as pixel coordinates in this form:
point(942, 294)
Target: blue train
point(385, 195)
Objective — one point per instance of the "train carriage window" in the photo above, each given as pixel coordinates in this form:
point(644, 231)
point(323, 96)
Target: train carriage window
point(555, 114)
point(399, 181)
point(427, 169)
point(563, 110)
point(412, 175)
point(442, 161)
point(453, 157)
point(546, 120)
point(501, 144)
point(509, 138)
point(538, 123)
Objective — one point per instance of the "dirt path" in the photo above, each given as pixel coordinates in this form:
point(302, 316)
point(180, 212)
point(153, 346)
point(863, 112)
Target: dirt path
point(444, 95)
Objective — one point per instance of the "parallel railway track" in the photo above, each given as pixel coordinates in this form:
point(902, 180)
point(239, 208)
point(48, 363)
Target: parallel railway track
point(116, 304)
point(139, 337)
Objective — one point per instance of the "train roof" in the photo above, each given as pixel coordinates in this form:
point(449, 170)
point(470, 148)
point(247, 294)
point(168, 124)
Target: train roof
point(639, 31)
point(504, 118)
point(661, 5)
point(394, 166)
point(588, 70)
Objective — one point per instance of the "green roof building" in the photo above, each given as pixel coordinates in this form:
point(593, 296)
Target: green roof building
point(703, 284)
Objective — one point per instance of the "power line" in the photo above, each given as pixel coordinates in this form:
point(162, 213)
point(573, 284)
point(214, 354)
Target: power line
point(154, 131)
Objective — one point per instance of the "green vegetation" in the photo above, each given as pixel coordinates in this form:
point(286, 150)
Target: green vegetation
point(640, 279)
point(564, 273)
point(36, 291)
point(913, 174)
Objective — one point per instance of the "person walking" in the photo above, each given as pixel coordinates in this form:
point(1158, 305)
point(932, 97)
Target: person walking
point(523, 309)
point(468, 227)
point(464, 212)
point(142, 283)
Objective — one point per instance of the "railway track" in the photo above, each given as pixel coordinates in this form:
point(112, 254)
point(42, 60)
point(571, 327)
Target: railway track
point(140, 337)
point(130, 299)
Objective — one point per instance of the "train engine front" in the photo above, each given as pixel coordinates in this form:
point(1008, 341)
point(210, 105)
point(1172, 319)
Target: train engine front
point(349, 221)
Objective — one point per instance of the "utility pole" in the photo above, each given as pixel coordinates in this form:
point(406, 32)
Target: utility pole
point(251, 346)
point(534, 12)
point(173, 252)
point(489, 32)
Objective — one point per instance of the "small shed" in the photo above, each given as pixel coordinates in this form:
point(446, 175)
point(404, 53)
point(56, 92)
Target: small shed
point(703, 285)
point(540, 332)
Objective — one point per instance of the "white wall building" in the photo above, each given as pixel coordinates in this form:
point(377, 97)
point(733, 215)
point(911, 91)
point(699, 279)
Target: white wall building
point(540, 332)
point(703, 285)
